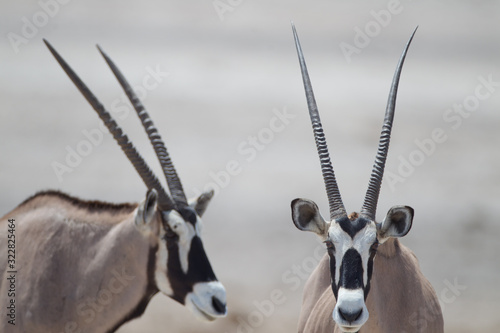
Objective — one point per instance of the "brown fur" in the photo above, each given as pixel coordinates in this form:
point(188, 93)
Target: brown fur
point(353, 216)
point(401, 298)
point(67, 250)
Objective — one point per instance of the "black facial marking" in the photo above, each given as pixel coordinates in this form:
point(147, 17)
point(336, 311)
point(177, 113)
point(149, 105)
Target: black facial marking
point(352, 227)
point(170, 234)
point(351, 270)
point(335, 289)
point(199, 268)
point(330, 247)
point(188, 214)
point(175, 273)
point(373, 252)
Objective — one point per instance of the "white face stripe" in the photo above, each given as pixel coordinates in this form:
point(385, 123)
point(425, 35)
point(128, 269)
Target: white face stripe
point(185, 246)
point(342, 242)
point(199, 226)
point(161, 267)
point(186, 233)
point(362, 242)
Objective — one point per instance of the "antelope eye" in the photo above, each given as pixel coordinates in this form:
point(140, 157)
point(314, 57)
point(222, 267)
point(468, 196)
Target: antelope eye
point(170, 234)
point(329, 245)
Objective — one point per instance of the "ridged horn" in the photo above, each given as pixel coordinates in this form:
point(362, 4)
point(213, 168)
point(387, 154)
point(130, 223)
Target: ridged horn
point(173, 181)
point(126, 145)
point(369, 208)
point(334, 199)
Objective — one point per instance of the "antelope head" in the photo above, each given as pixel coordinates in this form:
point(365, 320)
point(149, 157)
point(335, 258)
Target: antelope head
point(351, 240)
point(182, 269)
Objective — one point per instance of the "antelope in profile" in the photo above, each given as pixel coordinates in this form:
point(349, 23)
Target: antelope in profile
point(376, 281)
point(89, 266)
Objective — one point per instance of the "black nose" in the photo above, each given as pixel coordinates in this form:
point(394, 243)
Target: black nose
point(350, 316)
point(218, 305)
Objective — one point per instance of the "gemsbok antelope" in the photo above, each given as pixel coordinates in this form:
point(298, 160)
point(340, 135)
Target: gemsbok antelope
point(376, 281)
point(89, 266)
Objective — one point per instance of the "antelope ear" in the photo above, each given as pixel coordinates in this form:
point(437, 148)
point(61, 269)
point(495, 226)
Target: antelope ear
point(146, 210)
point(397, 223)
point(306, 217)
point(200, 203)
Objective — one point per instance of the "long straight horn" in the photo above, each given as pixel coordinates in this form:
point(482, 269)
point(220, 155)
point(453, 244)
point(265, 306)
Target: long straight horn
point(128, 148)
point(369, 208)
point(173, 181)
point(334, 199)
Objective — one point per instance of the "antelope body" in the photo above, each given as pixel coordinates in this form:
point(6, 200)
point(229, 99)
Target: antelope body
point(367, 281)
point(89, 266)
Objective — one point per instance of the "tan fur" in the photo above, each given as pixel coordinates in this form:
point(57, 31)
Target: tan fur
point(401, 299)
point(353, 216)
point(67, 259)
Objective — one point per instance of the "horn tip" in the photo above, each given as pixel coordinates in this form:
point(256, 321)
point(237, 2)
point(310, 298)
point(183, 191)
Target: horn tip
point(294, 31)
point(51, 48)
point(106, 57)
point(412, 35)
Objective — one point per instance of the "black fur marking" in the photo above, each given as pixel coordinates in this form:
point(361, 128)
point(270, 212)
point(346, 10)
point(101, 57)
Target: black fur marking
point(352, 227)
point(188, 214)
point(335, 289)
point(150, 291)
point(89, 205)
point(199, 269)
point(373, 252)
point(176, 276)
point(351, 270)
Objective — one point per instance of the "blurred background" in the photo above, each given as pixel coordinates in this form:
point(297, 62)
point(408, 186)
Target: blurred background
point(222, 82)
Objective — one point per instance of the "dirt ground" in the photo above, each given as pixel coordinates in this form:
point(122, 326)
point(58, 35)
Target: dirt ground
point(222, 82)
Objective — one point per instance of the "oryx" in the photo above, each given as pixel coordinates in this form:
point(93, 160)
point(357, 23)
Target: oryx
point(89, 266)
point(376, 282)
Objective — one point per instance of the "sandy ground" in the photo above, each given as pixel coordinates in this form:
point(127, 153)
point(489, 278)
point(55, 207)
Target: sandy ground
point(225, 71)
